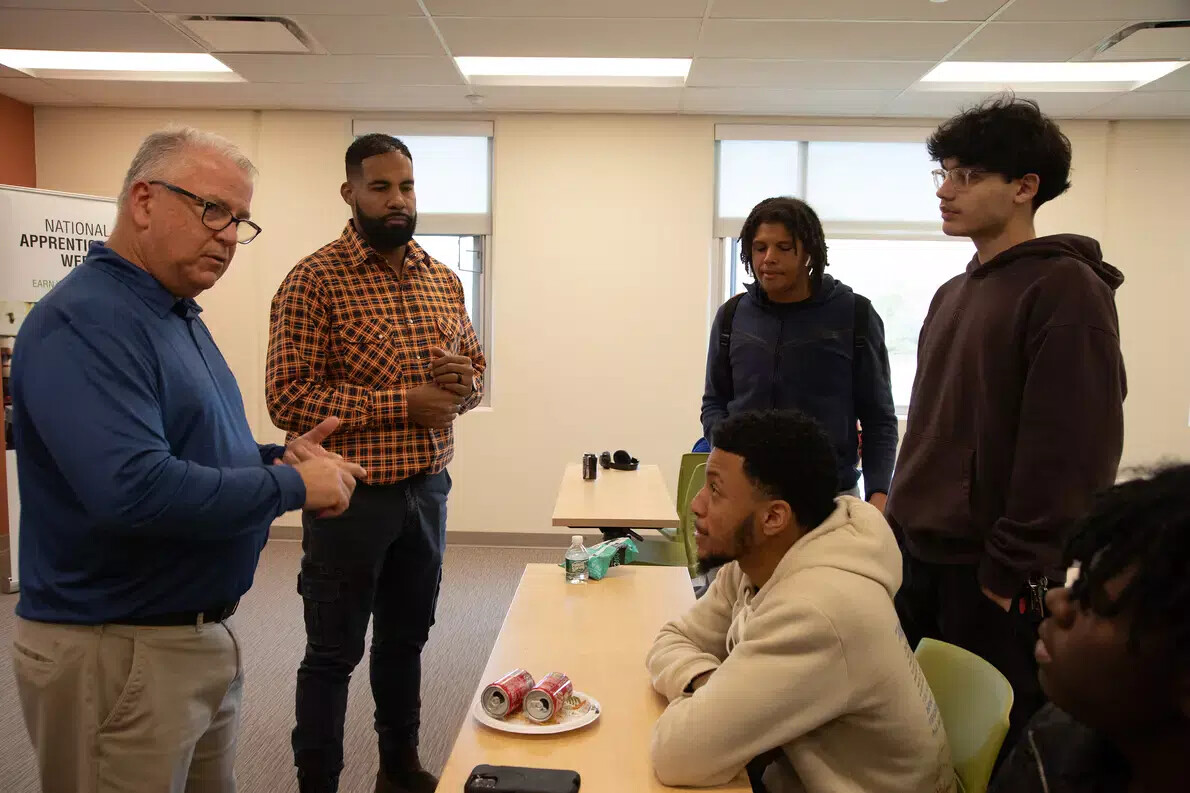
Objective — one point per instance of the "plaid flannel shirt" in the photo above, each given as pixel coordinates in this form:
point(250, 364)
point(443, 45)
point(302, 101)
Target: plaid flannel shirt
point(347, 338)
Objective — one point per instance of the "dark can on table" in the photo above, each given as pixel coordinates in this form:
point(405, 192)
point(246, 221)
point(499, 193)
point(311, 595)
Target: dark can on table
point(548, 696)
point(505, 697)
point(590, 467)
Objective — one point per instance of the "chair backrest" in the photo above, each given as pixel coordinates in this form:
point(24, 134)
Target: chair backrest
point(698, 478)
point(974, 700)
point(689, 461)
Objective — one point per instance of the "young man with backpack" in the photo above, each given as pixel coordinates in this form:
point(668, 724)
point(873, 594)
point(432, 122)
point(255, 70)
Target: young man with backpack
point(797, 338)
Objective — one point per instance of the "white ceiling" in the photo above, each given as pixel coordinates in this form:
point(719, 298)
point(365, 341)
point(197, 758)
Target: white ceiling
point(751, 57)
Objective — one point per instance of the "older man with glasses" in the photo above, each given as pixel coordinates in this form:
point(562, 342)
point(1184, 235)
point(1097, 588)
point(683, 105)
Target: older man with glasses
point(145, 500)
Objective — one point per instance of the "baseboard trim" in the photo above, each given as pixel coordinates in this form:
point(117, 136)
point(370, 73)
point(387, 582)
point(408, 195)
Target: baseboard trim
point(494, 539)
point(8, 582)
point(285, 533)
point(509, 539)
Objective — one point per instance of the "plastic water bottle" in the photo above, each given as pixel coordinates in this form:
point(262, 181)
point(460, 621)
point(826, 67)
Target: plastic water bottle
point(576, 561)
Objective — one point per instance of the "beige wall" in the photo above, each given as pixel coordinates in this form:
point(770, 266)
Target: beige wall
point(600, 276)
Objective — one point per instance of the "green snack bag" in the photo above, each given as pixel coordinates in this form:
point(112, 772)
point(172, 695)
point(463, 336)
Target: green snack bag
point(610, 553)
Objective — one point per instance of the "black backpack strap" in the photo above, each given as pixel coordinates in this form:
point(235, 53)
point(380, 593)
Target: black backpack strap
point(859, 333)
point(859, 326)
point(724, 382)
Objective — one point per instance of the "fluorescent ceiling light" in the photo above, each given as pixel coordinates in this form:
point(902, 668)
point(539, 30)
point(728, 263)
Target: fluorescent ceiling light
point(1066, 76)
point(57, 64)
point(575, 71)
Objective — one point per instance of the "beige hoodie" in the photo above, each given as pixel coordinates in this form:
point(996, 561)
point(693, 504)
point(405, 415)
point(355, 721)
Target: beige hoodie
point(815, 662)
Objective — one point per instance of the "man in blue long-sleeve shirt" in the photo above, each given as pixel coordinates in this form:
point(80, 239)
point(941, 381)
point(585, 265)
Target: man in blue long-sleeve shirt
point(145, 501)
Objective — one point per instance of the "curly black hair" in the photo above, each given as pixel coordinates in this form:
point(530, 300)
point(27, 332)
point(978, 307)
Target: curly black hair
point(787, 456)
point(803, 225)
point(1010, 137)
point(370, 145)
point(1143, 523)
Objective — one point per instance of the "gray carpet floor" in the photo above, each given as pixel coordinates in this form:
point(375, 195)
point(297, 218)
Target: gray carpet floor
point(477, 587)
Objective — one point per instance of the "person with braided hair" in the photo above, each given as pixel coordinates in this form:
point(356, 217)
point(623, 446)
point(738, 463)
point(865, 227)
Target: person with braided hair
point(799, 339)
point(1114, 654)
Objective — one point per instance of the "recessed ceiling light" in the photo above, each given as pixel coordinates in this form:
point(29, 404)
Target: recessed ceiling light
point(61, 64)
point(1065, 76)
point(575, 71)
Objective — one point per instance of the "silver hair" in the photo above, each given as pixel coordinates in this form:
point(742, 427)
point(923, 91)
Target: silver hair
point(160, 149)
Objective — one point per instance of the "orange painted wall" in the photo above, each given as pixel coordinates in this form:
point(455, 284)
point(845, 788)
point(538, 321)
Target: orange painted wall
point(17, 162)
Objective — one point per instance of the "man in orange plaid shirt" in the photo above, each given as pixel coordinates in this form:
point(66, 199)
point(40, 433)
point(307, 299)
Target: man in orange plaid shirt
point(373, 330)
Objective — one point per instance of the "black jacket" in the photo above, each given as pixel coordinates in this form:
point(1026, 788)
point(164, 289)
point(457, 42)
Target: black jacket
point(1059, 755)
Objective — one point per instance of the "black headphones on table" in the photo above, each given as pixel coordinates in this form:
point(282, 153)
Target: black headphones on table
point(620, 461)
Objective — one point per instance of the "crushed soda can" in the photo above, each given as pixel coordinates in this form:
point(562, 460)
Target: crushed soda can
point(505, 696)
point(548, 697)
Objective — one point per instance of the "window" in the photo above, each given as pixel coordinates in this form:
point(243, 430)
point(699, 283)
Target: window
point(452, 163)
point(873, 191)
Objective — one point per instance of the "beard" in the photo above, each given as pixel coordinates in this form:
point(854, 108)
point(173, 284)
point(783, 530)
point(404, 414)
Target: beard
point(741, 543)
point(380, 235)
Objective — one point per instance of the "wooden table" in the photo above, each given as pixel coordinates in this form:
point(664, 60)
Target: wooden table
point(615, 500)
point(598, 633)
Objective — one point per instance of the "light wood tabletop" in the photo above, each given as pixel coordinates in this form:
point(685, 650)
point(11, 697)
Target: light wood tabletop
point(615, 500)
point(597, 633)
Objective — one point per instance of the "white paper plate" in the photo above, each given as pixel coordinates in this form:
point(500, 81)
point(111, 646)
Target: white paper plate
point(580, 710)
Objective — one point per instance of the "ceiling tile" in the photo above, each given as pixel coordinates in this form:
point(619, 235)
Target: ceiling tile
point(35, 92)
point(1034, 41)
point(388, 70)
point(903, 41)
point(591, 9)
point(591, 38)
point(943, 104)
point(1154, 104)
point(964, 10)
point(1072, 10)
point(373, 35)
point(776, 101)
point(576, 99)
point(270, 95)
point(74, 5)
point(283, 7)
point(1176, 81)
point(819, 75)
point(111, 31)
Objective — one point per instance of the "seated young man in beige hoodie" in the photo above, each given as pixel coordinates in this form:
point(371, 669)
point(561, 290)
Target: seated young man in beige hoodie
point(796, 646)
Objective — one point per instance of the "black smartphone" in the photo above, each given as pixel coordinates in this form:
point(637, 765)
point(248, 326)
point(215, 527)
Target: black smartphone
point(513, 779)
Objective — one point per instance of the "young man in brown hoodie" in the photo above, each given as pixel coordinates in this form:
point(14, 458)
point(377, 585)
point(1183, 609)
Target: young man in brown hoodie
point(1016, 416)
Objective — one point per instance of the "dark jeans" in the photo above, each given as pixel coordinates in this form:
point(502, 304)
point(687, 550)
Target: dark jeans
point(945, 602)
point(381, 559)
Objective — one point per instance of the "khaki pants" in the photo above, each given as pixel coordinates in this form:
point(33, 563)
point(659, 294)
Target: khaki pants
point(124, 709)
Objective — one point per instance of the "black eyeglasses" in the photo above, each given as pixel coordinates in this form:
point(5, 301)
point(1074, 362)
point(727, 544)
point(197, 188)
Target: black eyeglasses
point(215, 216)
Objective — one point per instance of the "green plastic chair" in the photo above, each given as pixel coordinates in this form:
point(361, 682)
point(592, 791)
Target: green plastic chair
point(974, 700)
point(698, 478)
point(677, 548)
point(690, 461)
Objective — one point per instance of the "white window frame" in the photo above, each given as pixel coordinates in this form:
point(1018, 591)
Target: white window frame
point(725, 229)
point(729, 227)
point(454, 224)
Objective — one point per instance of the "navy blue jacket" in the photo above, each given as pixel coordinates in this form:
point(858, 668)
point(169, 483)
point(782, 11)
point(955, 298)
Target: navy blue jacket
point(799, 355)
point(142, 490)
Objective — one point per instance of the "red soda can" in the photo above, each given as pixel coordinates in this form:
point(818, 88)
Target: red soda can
point(505, 697)
point(548, 696)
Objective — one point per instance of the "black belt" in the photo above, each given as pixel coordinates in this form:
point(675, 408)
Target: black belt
point(212, 614)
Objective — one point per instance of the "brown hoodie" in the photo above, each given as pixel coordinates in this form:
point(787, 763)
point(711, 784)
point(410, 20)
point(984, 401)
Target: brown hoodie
point(1016, 418)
